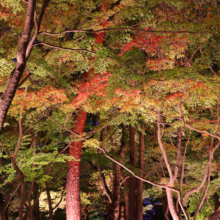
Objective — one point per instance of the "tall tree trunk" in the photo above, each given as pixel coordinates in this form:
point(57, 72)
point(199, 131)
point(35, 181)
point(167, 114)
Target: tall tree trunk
point(102, 176)
point(122, 212)
point(21, 208)
point(132, 180)
point(115, 206)
point(36, 207)
point(73, 210)
point(126, 195)
point(139, 182)
point(49, 204)
point(2, 216)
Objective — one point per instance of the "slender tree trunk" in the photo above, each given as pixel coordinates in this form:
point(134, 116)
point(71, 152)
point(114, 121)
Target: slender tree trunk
point(122, 212)
point(36, 207)
point(165, 205)
point(216, 201)
point(171, 175)
point(126, 195)
point(102, 177)
point(216, 214)
point(139, 182)
point(2, 216)
point(115, 206)
point(125, 142)
point(132, 180)
point(49, 204)
point(29, 199)
point(22, 201)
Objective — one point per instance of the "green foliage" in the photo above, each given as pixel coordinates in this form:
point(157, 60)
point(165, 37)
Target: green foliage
point(14, 4)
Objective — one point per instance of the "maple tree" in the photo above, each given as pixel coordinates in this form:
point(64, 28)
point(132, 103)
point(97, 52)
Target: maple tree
point(154, 64)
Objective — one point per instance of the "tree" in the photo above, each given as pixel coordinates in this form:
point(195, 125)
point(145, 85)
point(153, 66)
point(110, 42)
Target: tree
point(157, 66)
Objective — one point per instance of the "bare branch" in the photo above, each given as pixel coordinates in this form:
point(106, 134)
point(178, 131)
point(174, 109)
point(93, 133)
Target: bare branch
point(207, 200)
point(183, 158)
point(127, 177)
point(24, 80)
point(37, 26)
point(11, 197)
point(205, 192)
point(148, 181)
point(116, 29)
point(62, 48)
point(199, 131)
point(60, 199)
point(19, 138)
point(162, 148)
point(176, 169)
point(205, 175)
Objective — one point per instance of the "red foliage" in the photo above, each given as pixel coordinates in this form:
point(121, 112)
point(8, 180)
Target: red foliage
point(176, 95)
point(94, 86)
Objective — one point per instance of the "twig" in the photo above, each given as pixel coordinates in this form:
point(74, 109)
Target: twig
point(117, 29)
point(205, 192)
point(60, 199)
point(24, 80)
point(63, 48)
point(207, 200)
point(11, 197)
point(19, 138)
point(127, 177)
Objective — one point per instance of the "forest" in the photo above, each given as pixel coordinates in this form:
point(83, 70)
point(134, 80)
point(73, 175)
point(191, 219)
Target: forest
point(109, 109)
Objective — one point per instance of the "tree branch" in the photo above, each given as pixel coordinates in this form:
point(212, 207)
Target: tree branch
point(62, 48)
point(206, 190)
point(117, 29)
point(148, 181)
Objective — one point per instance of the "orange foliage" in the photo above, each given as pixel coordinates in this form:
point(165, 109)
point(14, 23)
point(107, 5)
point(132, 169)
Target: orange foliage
point(41, 99)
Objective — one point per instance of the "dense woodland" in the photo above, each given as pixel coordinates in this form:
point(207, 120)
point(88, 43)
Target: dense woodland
point(109, 109)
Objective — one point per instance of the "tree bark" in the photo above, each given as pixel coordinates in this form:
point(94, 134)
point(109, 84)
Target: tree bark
point(126, 195)
point(22, 201)
point(36, 207)
point(16, 74)
point(214, 216)
point(49, 204)
point(165, 205)
point(73, 210)
point(115, 207)
point(139, 182)
point(122, 212)
point(125, 142)
point(216, 203)
point(102, 177)
point(132, 180)
point(172, 180)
